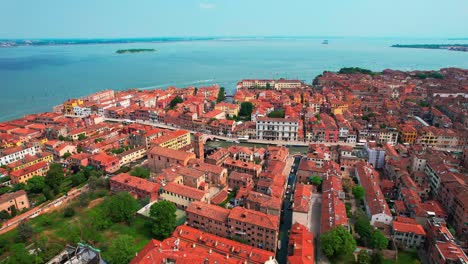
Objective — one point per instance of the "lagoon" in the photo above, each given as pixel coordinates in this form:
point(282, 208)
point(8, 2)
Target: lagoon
point(35, 78)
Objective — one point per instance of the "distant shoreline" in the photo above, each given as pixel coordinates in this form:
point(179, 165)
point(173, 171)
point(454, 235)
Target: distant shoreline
point(454, 47)
point(123, 51)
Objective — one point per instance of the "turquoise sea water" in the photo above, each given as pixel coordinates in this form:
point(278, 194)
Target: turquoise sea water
point(33, 79)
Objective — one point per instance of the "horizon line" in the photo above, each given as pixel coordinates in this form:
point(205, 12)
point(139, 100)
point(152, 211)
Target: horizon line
point(231, 36)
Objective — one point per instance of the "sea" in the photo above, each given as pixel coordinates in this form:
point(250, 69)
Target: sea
point(35, 78)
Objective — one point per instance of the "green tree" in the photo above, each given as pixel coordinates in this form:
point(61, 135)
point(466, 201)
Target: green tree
point(4, 189)
point(18, 186)
point(268, 86)
point(221, 95)
point(177, 100)
point(122, 250)
point(246, 109)
point(120, 207)
point(359, 192)
point(4, 215)
point(378, 240)
point(315, 180)
point(36, 184)
point(195, 91)
point(164, 219)
point(19, 254)
point(25, 232)
point(377, 257)
point(277, 114)
point(98, 220)
point(66, 155)
point(337, 242)
point(363, 257)
point(140, 172)
point(363, 228)
point(78, 178)
point(82, 136)
point(54, 177)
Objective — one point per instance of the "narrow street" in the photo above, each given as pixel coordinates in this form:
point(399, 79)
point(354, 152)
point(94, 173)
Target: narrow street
point(286, 216)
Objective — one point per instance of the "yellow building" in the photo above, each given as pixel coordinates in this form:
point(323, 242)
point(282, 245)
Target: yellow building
point(30, 160)
point(70, 104)
point(229, 109)
point(408, 134)
point(338, 107)
point(173, 140)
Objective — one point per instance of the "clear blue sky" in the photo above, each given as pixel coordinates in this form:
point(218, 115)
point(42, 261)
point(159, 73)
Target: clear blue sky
point(154, 18)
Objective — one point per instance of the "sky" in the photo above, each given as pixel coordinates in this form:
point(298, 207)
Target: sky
point(158, 18)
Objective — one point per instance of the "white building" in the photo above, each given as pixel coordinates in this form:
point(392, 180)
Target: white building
point(376, 156)
point(13, 154)
point(277, 129)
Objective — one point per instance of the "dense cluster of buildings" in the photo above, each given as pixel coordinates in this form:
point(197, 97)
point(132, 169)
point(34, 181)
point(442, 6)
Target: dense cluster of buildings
point(406, 144)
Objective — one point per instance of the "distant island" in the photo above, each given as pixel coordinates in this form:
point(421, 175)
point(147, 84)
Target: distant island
point(122, 51)
point(455, 47)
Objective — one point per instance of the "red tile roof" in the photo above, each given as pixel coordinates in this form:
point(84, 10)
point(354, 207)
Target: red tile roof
point(408, 228)
point(29, 169)
point(184, 191)
point(254, 218)
point(195, 246)
point(135, 182)
point(302, 196)
point(103, 158)
point(171, 153)
point(302, 242)
point(210, 211)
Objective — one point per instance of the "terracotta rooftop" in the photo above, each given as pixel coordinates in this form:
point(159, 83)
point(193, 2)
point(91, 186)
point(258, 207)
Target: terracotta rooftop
point(408, 228)
point(135, 182)
point(195, 246)
point(254, 218)
point(302, 243)
point(184, 191)
point(211, 211)
point(103, 158)
point(171, 153)
point(29, 169)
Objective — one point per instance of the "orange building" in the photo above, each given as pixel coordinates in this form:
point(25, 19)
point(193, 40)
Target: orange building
point(18, 199)
point(109, 164)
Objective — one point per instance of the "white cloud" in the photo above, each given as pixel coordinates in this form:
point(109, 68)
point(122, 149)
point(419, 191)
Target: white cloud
point(207, 6)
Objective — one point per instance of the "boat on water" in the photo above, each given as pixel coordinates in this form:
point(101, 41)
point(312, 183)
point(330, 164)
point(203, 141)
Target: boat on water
point(325, 41)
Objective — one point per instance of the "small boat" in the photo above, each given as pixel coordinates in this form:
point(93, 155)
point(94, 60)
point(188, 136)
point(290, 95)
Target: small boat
point(325, 42)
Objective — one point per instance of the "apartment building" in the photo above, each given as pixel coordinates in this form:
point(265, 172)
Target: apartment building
point(255, 228)
point(376, 206)
point(178, 139)
point(24, 174)
point(277, 129)
point(142, 188)
point(103, 161)
point(10, 155)
point(132, 155)
point(407, 232)
point(189, 245)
